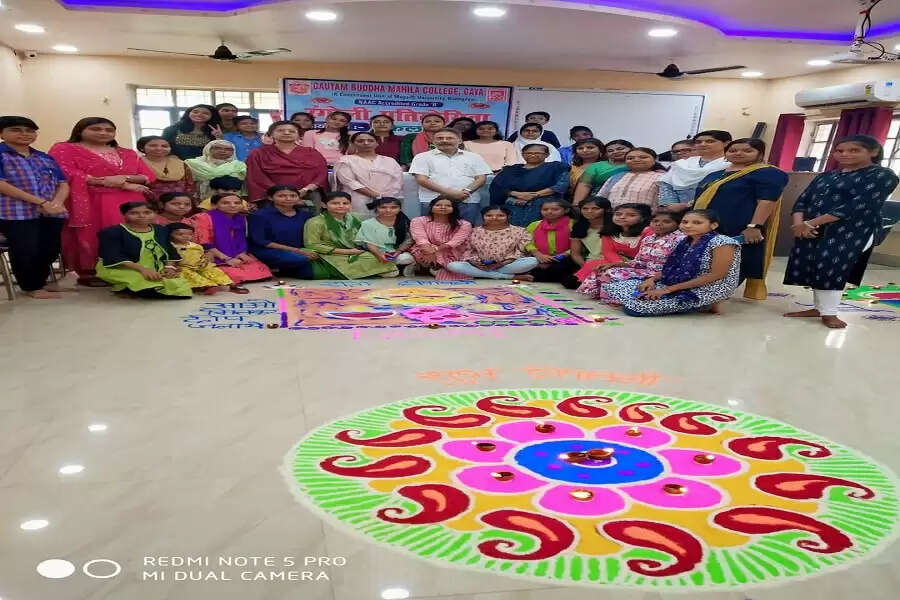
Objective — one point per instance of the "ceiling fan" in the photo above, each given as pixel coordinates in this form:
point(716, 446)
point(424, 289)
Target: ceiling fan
point(222, 53)
point(673, 72)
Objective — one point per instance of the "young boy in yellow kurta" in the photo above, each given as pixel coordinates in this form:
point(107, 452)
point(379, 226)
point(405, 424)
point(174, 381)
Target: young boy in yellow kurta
point(195, 267)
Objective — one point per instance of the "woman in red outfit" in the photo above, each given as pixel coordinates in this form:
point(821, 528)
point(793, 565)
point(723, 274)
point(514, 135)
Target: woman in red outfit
point(103, 176)
point(285, 163)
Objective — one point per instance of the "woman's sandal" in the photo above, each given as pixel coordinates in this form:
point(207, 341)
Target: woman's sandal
point(236, 289)
point(94, 282)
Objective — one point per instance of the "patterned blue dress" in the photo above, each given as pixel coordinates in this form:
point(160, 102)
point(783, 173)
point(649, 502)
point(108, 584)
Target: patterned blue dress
point(623, 292)
point(856, 197)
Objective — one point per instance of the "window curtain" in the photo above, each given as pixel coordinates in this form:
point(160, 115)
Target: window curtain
point(788, 135)
point(874, 121)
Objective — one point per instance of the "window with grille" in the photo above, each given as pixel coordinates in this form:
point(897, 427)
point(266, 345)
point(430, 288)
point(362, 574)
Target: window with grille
point(892, 146)
point(820, 143)
point(157, 108)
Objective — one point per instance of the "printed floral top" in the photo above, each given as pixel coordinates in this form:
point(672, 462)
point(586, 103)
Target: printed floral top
point(498, 245)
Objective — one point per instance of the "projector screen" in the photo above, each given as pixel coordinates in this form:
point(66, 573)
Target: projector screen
point(652, 119)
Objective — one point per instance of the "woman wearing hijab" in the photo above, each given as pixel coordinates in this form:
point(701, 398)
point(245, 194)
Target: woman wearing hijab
point(171, 173)
point(198, 126)
point(217, 161)
point(417, 143)
point(678, 185)
point(530, 133)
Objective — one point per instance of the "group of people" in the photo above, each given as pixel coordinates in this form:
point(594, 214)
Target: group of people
point(212, 203)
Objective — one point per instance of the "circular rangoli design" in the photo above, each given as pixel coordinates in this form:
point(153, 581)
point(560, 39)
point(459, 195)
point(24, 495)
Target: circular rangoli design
point(598, 487)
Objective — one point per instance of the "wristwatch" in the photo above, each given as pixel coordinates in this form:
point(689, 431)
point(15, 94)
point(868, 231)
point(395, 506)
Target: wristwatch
point(754, 226)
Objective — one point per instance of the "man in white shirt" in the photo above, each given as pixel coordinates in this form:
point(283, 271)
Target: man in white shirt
point(450, 172)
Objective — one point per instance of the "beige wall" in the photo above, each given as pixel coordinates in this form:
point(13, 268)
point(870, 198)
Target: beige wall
point(62, 89)
point(12, 84)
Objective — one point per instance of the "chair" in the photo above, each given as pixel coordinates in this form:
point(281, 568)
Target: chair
point(6, 270)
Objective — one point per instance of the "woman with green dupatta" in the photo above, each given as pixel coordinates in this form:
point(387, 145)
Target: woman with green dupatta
point(747, 198)
point(331, 235)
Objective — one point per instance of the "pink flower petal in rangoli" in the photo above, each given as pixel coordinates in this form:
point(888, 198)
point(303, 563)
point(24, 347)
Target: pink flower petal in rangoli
point(686, 462)
point(495, 479)
point(588, 501)
point(693, 494)
point(478, 450)
point(646, 437)
point(537, 431)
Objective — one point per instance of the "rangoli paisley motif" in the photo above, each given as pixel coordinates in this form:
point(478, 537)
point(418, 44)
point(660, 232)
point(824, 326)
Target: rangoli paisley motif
point(598, 487)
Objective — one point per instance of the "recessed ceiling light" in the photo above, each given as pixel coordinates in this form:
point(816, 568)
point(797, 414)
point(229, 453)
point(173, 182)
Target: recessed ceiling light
point(752, 74)
point(34, 524)
point(818, 62)
point(394, 594)
point(321, 15)
point(663, 32)
point(491, 12)
point(97, 427)
point(30, 28)
point(65, 48)
point(71, 469)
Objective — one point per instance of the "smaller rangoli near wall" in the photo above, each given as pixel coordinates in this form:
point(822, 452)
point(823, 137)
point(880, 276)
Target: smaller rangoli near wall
point(597, 487)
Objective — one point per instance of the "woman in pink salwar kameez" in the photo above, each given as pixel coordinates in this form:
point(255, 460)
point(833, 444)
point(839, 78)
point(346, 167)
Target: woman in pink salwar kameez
point(440, 238)
point(102, 177)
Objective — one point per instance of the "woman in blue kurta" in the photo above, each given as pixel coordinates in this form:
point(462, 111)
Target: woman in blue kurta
point(834, 222)
point(746, 196)
point(276, 233)
point(523, 188)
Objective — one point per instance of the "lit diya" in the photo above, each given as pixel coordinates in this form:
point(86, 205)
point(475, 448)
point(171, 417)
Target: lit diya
point(600, 453)
point(273, 325)
point(675, 489)
point(633, 431)
point(704, 459)
point(598, 318)
point(516, 281)
point(486, 446)
point(282, 282)
point(433, 326)
point(581, 495)
point(544, 428)
point(502, 475)
point(574, 457)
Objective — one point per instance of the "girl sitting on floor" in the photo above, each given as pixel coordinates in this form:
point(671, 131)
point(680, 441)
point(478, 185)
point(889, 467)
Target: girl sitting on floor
point(652, 253)
point(332, 234)
point(222, 231)
point(137, 258)
point(550, 242)
point(701, 272)
point(621, 243)
point(386, 235)
point(195, 267)
point(496, 250)
point(174, 207)
point(440, 238)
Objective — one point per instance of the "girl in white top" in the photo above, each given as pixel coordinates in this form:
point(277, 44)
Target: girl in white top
point(366, 175)
point(530, 133)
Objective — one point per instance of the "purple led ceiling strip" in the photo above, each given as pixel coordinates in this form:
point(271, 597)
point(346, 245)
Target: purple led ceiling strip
point(648, 6)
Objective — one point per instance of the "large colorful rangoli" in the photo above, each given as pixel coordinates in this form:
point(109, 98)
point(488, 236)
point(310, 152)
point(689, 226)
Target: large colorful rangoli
point(348, 308)
point(598, 487)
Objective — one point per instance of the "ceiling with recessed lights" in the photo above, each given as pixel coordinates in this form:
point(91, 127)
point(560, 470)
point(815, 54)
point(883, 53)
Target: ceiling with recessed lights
point(575, 34)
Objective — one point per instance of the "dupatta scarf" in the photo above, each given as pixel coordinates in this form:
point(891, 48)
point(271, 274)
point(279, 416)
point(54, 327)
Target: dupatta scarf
point(542, 235)
point(206, 168)
point(229, 233)
point(688, 172)
point(684, 264)
point(756, 288)
point(343, 233)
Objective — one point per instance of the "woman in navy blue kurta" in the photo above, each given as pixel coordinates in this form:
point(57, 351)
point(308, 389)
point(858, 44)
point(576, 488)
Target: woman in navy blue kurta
point(835, 220)
point(745, 200)
point(276, 233)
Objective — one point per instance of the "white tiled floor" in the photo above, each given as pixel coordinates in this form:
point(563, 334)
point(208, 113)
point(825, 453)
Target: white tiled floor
point(199, 421)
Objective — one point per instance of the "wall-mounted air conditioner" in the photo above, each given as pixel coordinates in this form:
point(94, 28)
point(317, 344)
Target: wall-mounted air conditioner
point(850, 93)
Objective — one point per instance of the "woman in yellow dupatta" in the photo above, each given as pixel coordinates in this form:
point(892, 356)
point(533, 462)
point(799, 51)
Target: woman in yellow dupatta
point(747, 198)
point(584, 153)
